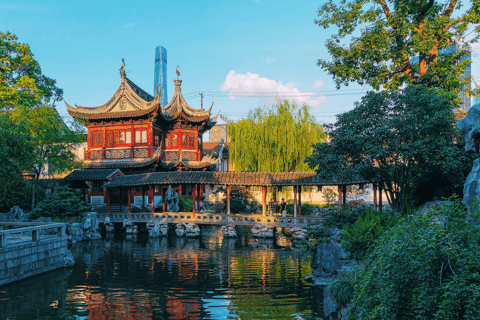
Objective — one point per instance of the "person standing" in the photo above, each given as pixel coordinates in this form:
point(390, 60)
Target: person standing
point(272, 207)
point(283, 208)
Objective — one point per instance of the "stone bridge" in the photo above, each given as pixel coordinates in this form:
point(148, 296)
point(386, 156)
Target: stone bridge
point(214, 219)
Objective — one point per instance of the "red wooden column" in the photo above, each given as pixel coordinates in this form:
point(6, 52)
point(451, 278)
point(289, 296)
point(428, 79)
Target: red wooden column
point(340, 197)
point(380, 198)
point(129, 201)
point(295, 201)
point(229, 189)
point(194, 191)
point(344, 194)
point(374, 197)
point(143, 199)
point(264, 196)
point(164, 205)
point(199, 194)
point(121, 199)
point(152, 197)
point(299, 200)
point(108, 201)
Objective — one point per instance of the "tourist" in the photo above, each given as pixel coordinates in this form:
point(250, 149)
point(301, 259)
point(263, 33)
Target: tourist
point(283, 208)
point(272, 207)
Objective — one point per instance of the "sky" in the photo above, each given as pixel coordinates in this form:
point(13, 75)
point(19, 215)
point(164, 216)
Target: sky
point(240, 54)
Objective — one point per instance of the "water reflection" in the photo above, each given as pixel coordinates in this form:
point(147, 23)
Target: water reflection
point(176, 278)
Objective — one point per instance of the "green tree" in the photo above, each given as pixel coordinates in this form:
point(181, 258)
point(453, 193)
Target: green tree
point(21, 80)
point(274, 140)
point(15, 153)
point(52, 141)
point(425, 267)
point(63, 203)
point(394, 140)
point(376, 42)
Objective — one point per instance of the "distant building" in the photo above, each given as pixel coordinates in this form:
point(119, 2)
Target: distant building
point(160, 76)
point(219, 132)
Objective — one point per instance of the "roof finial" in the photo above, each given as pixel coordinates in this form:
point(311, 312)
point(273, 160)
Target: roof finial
point(178, 72)
point(122, 71)
point(476, 85)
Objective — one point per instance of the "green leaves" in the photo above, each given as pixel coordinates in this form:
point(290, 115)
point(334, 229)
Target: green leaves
point(274, 140)
point(395, 139)
point(378, 40)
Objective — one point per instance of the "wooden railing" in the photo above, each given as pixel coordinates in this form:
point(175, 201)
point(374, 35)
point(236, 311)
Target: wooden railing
point(29, 231)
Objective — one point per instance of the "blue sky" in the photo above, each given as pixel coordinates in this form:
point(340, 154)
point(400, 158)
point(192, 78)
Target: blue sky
point(220, 46)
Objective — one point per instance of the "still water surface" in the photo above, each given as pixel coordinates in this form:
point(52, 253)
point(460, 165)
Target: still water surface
point(170, 278)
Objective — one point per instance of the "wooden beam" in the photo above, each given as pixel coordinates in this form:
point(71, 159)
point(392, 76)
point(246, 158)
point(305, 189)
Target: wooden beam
point(229, 190)
point(299, 200)
point(164, 205)
point(374, 197)
point(129, 202)
point(143, 199)
point(295, 201)
point(152, 200)
point(264, 198)
point(194, 191)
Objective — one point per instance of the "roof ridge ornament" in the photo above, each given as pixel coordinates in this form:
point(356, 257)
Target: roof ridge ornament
point(178, 72)
point(122, 71)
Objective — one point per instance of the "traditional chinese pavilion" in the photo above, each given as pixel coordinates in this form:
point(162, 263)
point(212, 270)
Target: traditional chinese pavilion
point(133, 133)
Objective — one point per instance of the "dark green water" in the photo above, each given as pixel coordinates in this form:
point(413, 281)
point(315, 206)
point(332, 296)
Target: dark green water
point(170, 278)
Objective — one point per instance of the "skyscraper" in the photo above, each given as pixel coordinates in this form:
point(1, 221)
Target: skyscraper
point(160, 77)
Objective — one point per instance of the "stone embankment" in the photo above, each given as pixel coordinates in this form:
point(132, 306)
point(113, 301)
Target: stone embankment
point(327, 261)
point(189, 230)
point(157, 229)
point(262, 231)
point(229, 231)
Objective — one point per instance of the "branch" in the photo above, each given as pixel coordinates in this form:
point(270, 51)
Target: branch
point(450, 8)
point(426, 7)
point(385, 9)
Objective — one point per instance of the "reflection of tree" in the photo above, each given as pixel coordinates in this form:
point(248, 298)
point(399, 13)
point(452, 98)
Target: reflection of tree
point(178, 278)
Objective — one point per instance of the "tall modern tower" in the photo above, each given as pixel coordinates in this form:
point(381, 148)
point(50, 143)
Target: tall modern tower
point(160, 77)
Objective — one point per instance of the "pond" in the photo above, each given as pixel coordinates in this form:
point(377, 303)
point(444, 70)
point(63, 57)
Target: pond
point(136, 277)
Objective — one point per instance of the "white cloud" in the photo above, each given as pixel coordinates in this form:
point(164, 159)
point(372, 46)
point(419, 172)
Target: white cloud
point(318, 83)
point(271, 60)
point(129, 25)
point(251, 84)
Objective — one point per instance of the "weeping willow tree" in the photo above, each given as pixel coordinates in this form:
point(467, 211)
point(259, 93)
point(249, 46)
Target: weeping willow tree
point(274, 139)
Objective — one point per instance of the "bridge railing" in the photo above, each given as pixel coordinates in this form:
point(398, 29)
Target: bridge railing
point(214, 218)
point(26, 232)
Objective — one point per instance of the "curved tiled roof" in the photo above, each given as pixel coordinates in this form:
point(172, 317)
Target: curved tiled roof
point(228, 178)
point(128, 101)
point(91, 174)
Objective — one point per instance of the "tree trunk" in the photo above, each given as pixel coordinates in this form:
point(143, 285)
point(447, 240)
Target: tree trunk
point(34, 192)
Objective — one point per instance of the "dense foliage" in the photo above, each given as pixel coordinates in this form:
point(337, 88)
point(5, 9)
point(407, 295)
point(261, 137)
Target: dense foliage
point(21, 80)
point(64, 202)
point(274, 140)
point(364, 233)
point(343, 289)
point(425, 267)
point(333, 219)
point(395, 139)
point(240, 197)
point(377, 41)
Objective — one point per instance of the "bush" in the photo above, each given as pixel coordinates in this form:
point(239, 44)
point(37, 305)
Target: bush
point(425, 267)
point(185, 205)
point(364, 233)
point(343, 289)
point(333, 220)
point(63, 203)
point(240, 197)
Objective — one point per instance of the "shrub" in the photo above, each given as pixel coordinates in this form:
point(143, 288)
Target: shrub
point(364, 233)
point(334, 219)
point(343, 289)
point(424, 267)
point(63, 203)
point(185, 205)
point(240, 197)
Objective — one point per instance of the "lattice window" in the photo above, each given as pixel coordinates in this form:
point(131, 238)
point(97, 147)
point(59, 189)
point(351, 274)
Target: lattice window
point(110, 138)
point(191, 141)
point(116, 137)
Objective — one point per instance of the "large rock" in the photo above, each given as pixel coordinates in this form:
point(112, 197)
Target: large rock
point(298, 233)
point(331, 309)
point(192, 230)
point(171, 199)
point(68, 261)
point(180, 229)
point(229, 231)
point(262, 231)
point(157, 229)
point(74, 232)
point(109, 227)
point(130, 227)
point(15, 214)
point(90, 226)
point(471, 188)
point(328, 257)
